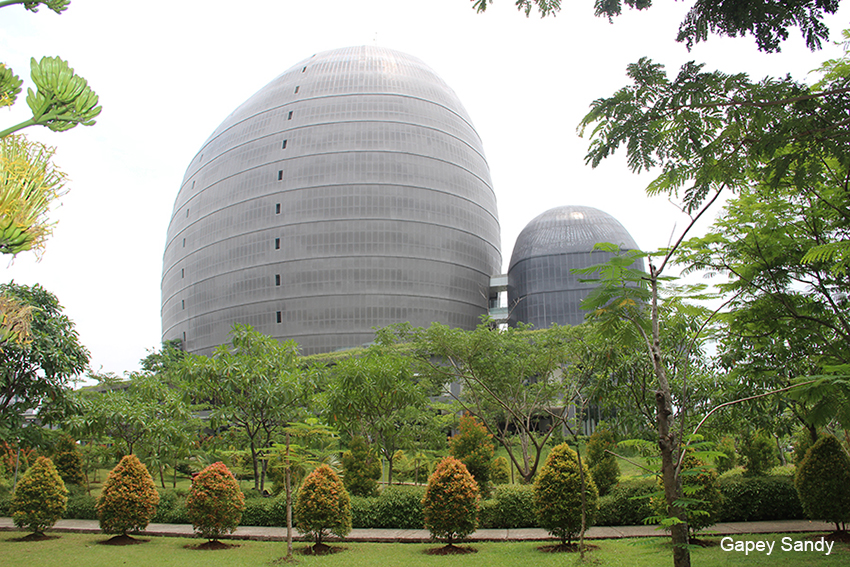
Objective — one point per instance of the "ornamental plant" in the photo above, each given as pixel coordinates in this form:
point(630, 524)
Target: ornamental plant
point(323, 506)
point(701, 484)
point(362, 468)
point(759, 454)
point(215, 502)
point(450, 504)
point(473, 446)
point(40, 497)
point(823, 482)
point(68, 461)
point(557, 494)
point(128, 499)
point(603, 466)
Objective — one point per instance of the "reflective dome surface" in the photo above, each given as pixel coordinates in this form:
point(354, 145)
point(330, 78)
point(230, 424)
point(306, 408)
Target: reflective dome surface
point(351, 192)
point(541, 286)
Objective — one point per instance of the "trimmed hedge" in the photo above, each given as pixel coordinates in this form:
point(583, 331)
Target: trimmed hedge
point(759, 498)
point(623, 505)
point(512, 506)
point(397, 506)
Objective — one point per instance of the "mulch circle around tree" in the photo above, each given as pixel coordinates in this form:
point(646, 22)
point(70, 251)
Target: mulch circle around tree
point(565, 548)
point(35, 537)
point(211, 545)
point(450, 550)
point(321, 549)
point(123, 540)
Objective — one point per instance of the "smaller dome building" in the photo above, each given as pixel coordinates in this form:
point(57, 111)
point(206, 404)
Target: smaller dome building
point(542, 289)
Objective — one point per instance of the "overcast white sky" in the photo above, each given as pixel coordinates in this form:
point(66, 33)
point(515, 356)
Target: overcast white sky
point(169, 71)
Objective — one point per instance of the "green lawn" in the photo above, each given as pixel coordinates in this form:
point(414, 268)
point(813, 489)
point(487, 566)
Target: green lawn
point(71, 550)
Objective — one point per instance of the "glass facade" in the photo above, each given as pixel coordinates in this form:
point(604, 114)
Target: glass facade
point(349, 193)
point(541, 286)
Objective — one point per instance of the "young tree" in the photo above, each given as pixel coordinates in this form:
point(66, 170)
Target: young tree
point(473, 447)
point(822, 480)
point(40, 497)
point(215, 502)
point(558, 494)
point(451, 502)
point(129, 498)
point(708, 133)
point(507, 379)
point(377, 395)
point(362, 468)
point(323, 506)
point(256, 384)
point(603, 465)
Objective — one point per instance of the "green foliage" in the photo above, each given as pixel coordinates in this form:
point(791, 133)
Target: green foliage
point(760, 498)
point(557, 494)
point(759, 453)
point(40, 497)
point(377, 394)
point(128, 499)
point(362, 468)
point(37, 375)
point(729, 459)
point(768, 22)
point(603, 466)
point(68, 461)
point(701, 487)
point(215, 502)
point(473, 447)
point(511, 507)
point(450, 503)
point(397, 507)
point(822, 482)
point(82, 507)
point(627, 504)
point(323, 505)
point(501, 473)
point(802, 442)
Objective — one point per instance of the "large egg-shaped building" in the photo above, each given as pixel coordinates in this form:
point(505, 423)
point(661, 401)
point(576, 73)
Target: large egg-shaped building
point(542, 289)
point(349, 193)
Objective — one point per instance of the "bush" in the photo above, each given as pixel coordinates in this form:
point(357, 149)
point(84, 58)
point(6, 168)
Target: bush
point(511, 507)
point(627, 504)
point(802, 442)
point(759, 454)
point(450, 504)
point(603, 466)
point(68, 461)
point(761, 498)
point(473, 446)
point(729, 459)
point(362, 468)
point(823, 482)
point(40, 497)
point(269, 512)
point(501, 473)
point(215, 502)
point(81, 507)
point(323, 505)
point(557, 494)
point(128, 499)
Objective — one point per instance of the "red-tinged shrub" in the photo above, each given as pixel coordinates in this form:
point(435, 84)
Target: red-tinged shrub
point(473, 446)
point(451, 502)
point(323, 506)
point(40, 497)
point(215, 502)
point(128, 499)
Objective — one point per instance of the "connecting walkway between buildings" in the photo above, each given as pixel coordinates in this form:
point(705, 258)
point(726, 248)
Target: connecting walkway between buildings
point(423, 536)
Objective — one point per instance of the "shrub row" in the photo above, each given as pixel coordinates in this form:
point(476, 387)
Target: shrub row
point(512, 506)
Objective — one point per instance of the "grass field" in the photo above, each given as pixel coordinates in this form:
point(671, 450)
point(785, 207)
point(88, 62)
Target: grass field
point(73, 550)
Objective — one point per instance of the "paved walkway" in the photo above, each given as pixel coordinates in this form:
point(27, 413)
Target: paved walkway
point(421, 536)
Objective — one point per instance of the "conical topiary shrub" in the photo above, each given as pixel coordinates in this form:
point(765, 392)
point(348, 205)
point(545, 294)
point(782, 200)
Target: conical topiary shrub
point(323, 506)
point(128, 499)
point(40, 497)
point(557, 494)
point(215, 502)
point(823, 482)
point(450, 504)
